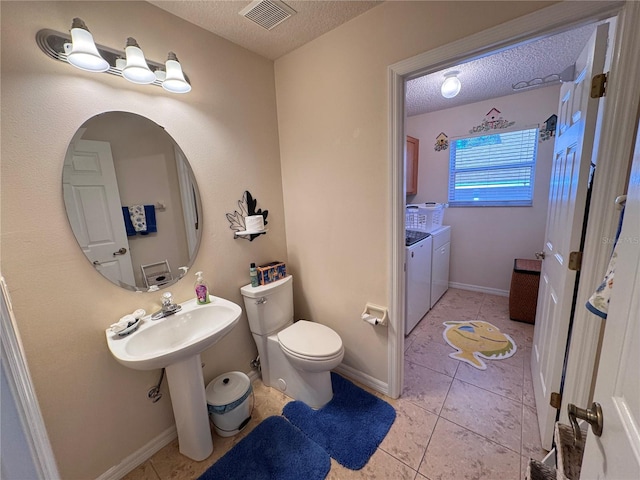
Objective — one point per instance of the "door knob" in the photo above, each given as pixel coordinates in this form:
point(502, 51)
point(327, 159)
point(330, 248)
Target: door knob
point(540, 255)
point(122, 251)
point(593, 416)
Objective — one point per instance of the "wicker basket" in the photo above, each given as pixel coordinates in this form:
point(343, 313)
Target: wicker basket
point(523, 296)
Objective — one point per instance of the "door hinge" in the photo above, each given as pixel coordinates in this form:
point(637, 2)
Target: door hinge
point(575, 261)
point(556, 400)
point(598, 85)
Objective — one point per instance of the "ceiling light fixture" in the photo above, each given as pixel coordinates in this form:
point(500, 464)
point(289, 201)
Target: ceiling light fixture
point(79, 50)
point(451, 85)
point(82, 51)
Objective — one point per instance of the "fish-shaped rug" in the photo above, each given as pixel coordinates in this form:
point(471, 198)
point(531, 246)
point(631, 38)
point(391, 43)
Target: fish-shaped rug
point(475, 340)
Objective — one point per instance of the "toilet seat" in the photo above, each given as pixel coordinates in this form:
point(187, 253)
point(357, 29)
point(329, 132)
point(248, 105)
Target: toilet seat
point(311, 341)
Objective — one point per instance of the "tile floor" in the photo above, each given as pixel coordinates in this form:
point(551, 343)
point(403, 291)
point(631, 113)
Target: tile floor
point(453, 421)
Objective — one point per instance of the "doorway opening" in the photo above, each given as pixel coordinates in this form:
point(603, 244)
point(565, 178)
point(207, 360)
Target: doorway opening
point(440, 60)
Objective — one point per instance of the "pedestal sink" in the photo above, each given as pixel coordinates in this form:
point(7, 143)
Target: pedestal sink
point(175, 343)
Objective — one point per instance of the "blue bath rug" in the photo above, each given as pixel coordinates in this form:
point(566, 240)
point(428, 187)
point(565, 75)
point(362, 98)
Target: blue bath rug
point(350, 427)
point(275, 449)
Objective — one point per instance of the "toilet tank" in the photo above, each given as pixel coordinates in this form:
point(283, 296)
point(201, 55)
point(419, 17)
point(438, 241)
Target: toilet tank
point(269, 307)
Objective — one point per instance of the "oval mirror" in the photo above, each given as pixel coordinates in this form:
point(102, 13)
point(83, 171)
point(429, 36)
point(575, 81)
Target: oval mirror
point(132, 201)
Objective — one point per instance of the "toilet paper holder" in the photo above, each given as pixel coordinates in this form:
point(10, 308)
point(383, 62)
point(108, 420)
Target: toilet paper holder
point(375, 314)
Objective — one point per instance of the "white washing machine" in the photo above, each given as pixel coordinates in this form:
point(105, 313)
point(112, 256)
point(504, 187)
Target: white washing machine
point(418, 278)
point(440, 262)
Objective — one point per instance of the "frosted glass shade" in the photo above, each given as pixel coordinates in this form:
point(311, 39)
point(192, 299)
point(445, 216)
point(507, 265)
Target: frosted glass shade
point(83, 53)
point(450, 87)
point(136, 69)
point(174, 81)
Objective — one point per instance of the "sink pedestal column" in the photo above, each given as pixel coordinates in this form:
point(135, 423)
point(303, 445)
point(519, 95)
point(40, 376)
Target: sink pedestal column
point(188, 397)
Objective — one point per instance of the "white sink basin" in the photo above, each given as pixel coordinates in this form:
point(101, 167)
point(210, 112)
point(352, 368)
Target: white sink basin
point(175, 343)
point(159, 343)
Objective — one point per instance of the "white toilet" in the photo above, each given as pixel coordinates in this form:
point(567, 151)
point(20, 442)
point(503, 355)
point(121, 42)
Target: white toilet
point(296, 358)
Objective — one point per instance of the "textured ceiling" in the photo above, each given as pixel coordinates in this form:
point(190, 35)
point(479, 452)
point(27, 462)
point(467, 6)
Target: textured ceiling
point(494, 75)
point(313, 18)
point(484, 78)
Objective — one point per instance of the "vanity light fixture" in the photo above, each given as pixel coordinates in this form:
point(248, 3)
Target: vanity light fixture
point(451, 85)
point(79, 50)
point(173, 80)
point(82, 51)
point(136, 69)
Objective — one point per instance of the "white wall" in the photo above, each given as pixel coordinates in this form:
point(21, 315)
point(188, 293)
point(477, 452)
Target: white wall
point(486, 240)
point(333, 122)
point(96, 411)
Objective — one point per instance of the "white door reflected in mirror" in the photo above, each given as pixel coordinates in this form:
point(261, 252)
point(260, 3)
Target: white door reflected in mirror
point(119, 160)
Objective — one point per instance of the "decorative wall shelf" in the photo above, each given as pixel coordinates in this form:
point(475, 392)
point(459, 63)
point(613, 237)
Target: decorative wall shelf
point(247, 206)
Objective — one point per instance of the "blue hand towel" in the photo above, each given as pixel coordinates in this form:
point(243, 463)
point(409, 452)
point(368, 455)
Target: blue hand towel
point(150, 214)
point(128, 224)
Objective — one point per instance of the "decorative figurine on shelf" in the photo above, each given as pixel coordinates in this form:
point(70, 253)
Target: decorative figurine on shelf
point(237, 221)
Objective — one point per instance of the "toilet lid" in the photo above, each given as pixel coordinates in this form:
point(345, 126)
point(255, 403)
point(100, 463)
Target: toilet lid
point(310, 339)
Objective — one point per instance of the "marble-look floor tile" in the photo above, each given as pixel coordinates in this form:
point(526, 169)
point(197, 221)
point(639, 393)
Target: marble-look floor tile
point(408, 341)
point(143, 472)
point(381, 466)
point(431, 329)
point(495, 304)
point(488, 414)
point(433, 355)
point(457, 453)
point(455, 296)
point(531, 444)
point(517, 359)
point(522, 333)
point(524, 463)
point(425, 387)
point(499, 377)
point(410, 433)
point(528, 395)
point(172, 465)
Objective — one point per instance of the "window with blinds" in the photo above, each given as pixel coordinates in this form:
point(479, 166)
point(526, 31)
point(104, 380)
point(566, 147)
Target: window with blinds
point(493, 170)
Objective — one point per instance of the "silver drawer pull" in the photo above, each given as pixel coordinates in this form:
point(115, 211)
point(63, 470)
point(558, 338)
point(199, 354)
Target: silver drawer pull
point(261, 300)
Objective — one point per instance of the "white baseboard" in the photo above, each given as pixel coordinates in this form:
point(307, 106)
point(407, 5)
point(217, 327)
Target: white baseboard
point(254, 375)
point(363, 378)
point(140, 456)
point(478, 288)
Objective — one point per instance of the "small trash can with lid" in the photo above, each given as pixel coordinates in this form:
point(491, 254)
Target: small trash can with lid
point(229, 402)
point(523, 295)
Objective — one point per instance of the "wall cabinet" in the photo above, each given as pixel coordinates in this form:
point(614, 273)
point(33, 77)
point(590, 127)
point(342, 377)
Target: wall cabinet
point(411, 165)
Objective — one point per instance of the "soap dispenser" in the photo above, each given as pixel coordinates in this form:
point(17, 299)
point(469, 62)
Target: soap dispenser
point(202, 290)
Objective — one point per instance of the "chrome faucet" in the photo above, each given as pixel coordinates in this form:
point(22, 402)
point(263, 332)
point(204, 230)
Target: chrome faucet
point(168, 307)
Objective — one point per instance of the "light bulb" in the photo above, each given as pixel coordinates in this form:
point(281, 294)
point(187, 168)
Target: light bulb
point(136, 70)
point(174, 80)
point(82, 51)
point(451, 86)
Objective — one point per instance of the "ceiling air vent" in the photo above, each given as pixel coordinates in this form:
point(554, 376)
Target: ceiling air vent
point(267, 13)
